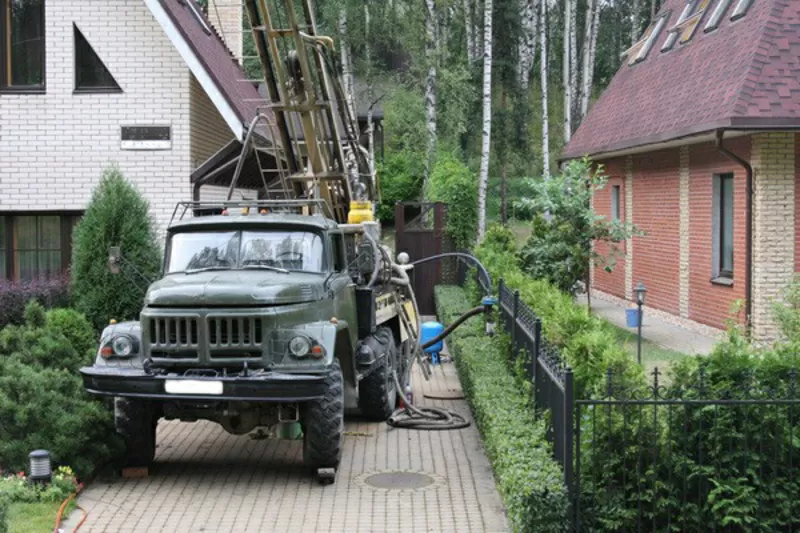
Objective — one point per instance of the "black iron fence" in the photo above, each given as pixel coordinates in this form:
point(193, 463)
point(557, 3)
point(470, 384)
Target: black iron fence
point(693, 455)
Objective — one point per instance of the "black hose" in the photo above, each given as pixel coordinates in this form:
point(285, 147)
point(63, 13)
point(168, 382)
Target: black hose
point(449, 329)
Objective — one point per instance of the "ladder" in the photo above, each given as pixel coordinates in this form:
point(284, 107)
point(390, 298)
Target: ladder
point(313, 136)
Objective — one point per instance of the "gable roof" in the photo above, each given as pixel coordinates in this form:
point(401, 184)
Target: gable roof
point(218, 72)
point(743, 75)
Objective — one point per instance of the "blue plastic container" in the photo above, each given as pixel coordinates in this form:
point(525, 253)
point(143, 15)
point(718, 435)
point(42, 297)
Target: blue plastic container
point(429, 331)
point(632, 317)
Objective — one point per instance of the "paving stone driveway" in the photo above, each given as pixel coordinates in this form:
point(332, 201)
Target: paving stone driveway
point(206, 480)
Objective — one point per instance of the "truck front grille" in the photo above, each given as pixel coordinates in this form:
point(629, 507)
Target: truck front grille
point(172, 333)
point(235, 332)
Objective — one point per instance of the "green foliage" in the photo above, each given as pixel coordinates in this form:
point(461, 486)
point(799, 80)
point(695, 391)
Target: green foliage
point(452, 183)
point(565, 227)
point(404, 122)
point(17, 488)
point(530, 481)
point(787, 313)
point(58, 339)
point(117, 215)
point(588, 343)
point(400, 178)
point(48, 408)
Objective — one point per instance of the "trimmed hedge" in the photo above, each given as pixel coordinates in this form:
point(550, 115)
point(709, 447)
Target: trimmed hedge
point(3, 513)
point(529, 479)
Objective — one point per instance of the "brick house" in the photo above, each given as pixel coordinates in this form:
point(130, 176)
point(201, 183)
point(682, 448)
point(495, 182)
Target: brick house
point(147, 85)
point(698, 133)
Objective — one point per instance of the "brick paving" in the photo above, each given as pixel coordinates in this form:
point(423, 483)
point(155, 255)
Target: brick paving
point(205, 480)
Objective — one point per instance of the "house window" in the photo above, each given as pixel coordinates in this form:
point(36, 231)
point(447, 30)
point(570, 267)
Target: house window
point(722, 223)
point(22, 42)
point(615, 202)
point(638, 52)
point(91, 75)
point(35, 245)
point(687, 23)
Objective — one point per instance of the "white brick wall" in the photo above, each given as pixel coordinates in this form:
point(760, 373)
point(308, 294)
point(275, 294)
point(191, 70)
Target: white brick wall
point(773, 164)
point(54, 146)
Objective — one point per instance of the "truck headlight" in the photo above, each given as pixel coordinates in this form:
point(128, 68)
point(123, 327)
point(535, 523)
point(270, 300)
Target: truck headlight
point(122, 346)
point(300, 346)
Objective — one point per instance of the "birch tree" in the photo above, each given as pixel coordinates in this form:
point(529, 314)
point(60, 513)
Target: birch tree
point(487, 117)
point(527, 49)
point(566, 70)
point(573, 62)
point(653, 9)
point(543, 76)
point(589, 47)
point(347, 63)
point(469, 30)
point(430, 87)
point(370, 94)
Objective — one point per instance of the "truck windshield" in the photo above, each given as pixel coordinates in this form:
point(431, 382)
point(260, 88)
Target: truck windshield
point(213, 250)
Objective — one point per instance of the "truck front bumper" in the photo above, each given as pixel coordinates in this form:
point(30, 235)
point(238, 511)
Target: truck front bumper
point(279, 387)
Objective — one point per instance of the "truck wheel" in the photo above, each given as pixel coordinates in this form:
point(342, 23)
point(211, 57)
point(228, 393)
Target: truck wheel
point(136, 423)
point(323, 424)
point(377, 393)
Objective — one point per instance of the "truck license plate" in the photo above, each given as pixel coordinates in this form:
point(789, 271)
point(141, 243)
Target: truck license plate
point(192, 386)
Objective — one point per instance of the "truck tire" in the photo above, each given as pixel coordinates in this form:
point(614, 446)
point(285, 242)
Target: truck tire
point(323, 424)
point(136, 421)
point(377, 393)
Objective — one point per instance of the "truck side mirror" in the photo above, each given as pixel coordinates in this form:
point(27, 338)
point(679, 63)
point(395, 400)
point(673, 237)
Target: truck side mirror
point(114, 259)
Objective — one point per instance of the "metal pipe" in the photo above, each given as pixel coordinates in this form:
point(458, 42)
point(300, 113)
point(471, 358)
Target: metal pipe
point(748, 261)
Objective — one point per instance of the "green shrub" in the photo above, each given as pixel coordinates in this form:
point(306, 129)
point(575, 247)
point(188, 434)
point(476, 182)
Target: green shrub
point(75, 327)
point(45, 343)
point(400, 178)
point(529, 479)
point(117, 215)
point(48, 408)
point(452, 183)
point(17, 488)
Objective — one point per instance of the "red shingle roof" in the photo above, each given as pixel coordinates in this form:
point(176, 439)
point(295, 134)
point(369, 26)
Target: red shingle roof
point(217, 60)
point(745, 74)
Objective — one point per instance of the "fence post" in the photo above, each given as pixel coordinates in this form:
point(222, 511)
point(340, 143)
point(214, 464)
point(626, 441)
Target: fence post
point(514, 317)
point(569, 414)
point(537, 348)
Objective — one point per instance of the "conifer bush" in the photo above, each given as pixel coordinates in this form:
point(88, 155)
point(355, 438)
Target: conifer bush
point(117, 215)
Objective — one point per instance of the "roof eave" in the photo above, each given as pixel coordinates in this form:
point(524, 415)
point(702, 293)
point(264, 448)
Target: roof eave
point(696, 132)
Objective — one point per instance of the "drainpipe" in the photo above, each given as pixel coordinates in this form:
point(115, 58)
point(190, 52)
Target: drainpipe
point(748, 278)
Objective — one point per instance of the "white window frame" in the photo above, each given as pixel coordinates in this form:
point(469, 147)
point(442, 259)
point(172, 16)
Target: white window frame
point(716, 17)
point(741, 9)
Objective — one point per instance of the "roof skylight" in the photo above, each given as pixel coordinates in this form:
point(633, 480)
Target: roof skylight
point(716, 16)
point(741, 9)
point(638, 52)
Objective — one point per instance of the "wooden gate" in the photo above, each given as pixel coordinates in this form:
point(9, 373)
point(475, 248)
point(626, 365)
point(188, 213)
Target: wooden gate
point(420, 233)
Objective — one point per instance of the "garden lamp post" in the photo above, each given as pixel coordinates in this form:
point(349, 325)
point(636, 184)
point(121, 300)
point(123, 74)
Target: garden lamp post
point(640, 291)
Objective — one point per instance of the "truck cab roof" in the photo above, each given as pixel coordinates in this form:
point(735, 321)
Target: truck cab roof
point(315, 222)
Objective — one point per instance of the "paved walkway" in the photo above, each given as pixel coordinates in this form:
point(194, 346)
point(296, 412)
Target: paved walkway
point(206, 480)
point(656, 329)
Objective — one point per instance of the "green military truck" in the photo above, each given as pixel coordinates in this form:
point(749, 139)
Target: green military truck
point(262, 316)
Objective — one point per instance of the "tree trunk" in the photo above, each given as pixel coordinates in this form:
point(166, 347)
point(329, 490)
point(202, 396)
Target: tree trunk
point(370, 95)
point(469, 30)
point(566, 68)
point(589, 40)
point(653, 9)
point(573, 64)
point(503, 164)
point(527, 49)
point(430, 89)
point(637, 7)
point(487, 116)
point(347, 65)
point(543, 77)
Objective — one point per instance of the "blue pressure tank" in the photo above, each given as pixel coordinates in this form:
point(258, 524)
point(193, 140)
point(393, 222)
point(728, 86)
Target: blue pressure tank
point(429, 331)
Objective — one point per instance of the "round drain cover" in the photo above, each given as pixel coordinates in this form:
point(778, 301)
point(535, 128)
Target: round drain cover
point(399, 480)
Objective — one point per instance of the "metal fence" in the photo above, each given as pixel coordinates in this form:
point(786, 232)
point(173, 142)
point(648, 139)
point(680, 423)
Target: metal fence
point(695, 456)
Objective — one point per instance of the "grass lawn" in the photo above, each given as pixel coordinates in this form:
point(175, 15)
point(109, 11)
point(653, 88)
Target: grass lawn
point(653, 355)
point(34, 517)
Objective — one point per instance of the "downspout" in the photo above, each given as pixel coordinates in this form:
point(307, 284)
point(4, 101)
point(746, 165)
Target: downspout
point(748, 278)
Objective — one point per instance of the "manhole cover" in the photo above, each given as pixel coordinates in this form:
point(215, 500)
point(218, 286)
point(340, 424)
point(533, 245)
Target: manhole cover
point(405, 481)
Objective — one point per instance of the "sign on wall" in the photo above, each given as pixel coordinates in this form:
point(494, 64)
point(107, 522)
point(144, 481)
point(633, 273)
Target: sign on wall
point(146, 138)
